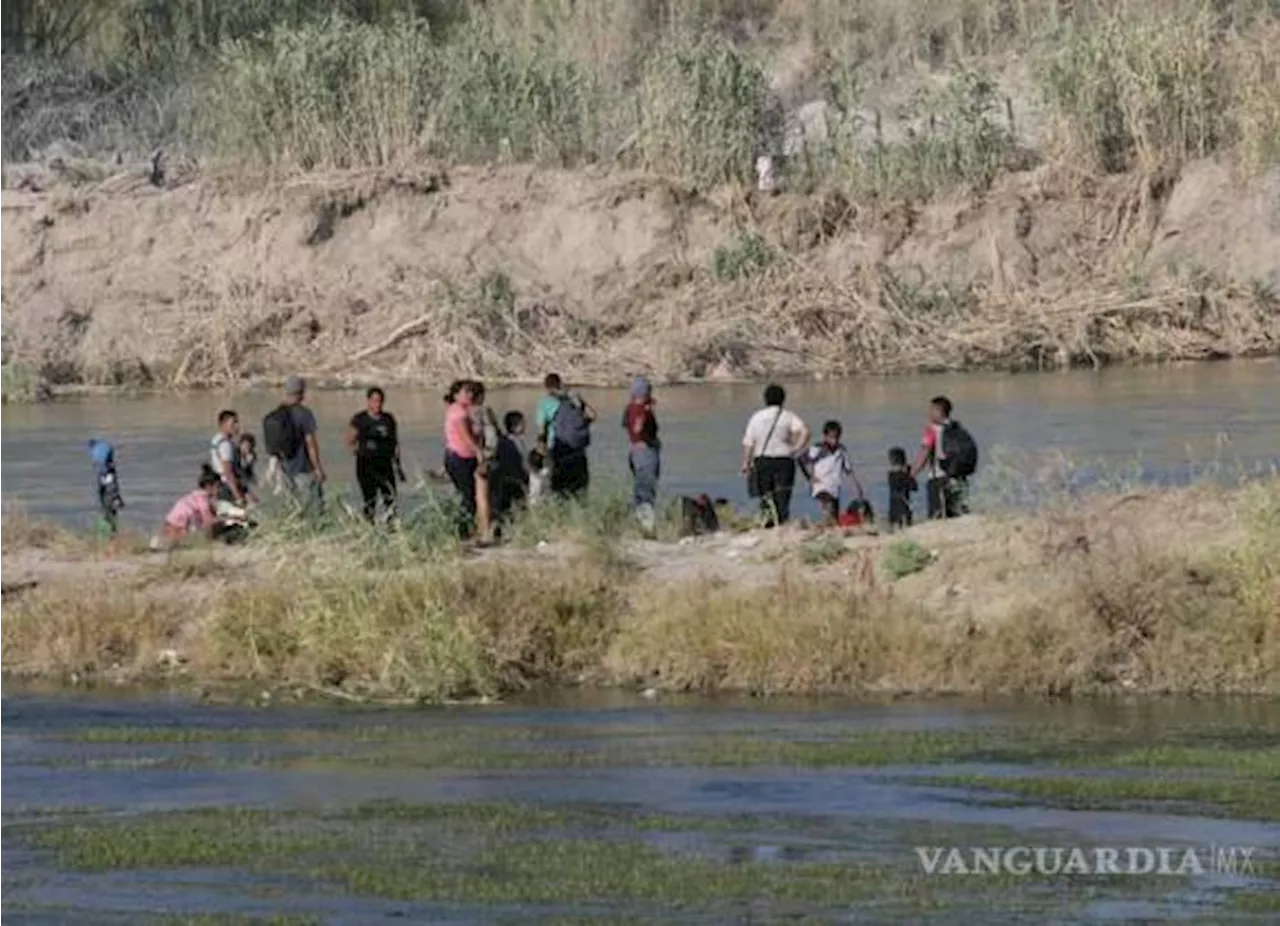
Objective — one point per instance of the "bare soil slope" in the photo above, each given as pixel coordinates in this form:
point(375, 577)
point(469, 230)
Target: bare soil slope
point(507, 272)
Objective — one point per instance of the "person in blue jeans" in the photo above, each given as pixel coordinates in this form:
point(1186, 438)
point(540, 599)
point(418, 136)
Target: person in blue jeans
point(645, 454)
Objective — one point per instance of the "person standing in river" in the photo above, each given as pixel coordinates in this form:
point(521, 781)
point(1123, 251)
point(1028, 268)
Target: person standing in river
point(773, 439)
point(564, 422)
point(644, 456)
point(289, 433)
point(373, 438)
point(462, 449)
point(948, 452)
point(224, 452)
point(484, 426)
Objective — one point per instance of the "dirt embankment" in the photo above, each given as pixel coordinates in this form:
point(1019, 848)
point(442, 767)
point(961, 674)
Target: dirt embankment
point(509, 272)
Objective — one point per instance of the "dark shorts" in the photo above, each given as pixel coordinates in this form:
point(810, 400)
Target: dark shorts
point(462, 472)
point(569, 472)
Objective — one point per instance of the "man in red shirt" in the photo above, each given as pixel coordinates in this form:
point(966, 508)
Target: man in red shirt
point(645, 449)
point(945, 495)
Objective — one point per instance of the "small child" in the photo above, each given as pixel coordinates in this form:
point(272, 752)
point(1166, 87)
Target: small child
point(828, 467)
point(103, 456)
point(539, 473)
point(248, 456)
point(901, 485)
point(511, 483)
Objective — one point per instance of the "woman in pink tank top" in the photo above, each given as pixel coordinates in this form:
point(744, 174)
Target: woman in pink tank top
point(462, 447)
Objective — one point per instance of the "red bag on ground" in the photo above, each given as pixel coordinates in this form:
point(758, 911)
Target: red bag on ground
point(850, 519)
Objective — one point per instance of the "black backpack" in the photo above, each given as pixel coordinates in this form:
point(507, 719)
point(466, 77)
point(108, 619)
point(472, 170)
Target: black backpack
point(281, 434)
point(959, 451)
point(698, 516)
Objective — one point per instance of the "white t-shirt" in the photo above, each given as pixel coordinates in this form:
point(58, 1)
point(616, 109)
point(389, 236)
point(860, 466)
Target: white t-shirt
point(786, 436)
point(223, 449)
point(830, 469)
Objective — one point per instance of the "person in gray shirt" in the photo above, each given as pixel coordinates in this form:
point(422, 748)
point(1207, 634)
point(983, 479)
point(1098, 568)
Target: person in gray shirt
point(299, 464)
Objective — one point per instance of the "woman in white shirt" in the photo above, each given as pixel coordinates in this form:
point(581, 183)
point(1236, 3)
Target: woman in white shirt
point(773, 439)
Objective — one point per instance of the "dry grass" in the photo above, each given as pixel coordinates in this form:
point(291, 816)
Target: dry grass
point(679, 87)
point(19, 530)
point(1176, 591)
point(877, 324)
point(1096, 606)
point(68, 630)
point(430, 634)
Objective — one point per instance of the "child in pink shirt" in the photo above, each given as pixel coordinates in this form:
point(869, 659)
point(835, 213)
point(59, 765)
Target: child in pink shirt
point(193, 513)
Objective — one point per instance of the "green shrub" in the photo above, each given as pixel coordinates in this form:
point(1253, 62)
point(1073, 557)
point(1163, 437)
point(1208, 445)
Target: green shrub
point(1137, 90)
point(704, 112)
point(822, 551)
point(498, 100)
point(21, 385)
point(904, 557)
point(747, 253)
point(330, 94)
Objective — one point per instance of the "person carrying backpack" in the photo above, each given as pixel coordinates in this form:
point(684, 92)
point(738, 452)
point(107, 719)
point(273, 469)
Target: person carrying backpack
point(564, 421)
point(950, 454)
point(106, 482)
point(289, 434)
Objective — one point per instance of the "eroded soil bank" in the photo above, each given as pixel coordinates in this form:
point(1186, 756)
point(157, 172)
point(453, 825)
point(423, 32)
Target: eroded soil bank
point(508, 272)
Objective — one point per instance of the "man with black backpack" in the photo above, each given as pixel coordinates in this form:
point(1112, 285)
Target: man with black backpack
point(564, 422)
point(289, 435)
point(950, 454)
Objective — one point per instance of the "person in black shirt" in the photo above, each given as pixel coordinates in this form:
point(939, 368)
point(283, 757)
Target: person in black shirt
point(373, 439)
point(511, 487)
point(901, 485)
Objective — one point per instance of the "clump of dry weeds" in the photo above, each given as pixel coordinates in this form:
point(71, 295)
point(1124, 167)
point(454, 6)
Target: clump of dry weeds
point(438, 632)
point(71, 630)
point(18, 530)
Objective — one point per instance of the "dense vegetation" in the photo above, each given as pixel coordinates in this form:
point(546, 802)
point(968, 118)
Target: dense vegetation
point(690, 88)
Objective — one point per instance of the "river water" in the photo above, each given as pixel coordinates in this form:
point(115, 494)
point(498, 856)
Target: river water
point(453, 799)
point(1163, 424)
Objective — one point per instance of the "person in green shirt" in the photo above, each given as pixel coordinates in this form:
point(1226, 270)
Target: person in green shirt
point(548, 405)
point(563, 422)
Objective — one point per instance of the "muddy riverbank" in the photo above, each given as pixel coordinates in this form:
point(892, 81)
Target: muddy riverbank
point(417, 276)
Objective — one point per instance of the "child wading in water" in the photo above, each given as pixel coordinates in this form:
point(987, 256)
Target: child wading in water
point(830, 466)
point(108, 486)
point(901, 485)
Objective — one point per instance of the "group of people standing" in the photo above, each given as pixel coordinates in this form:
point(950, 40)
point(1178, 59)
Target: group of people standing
point(497, 467)
point(776, 446)
point(495, 472)
point(228, 483)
